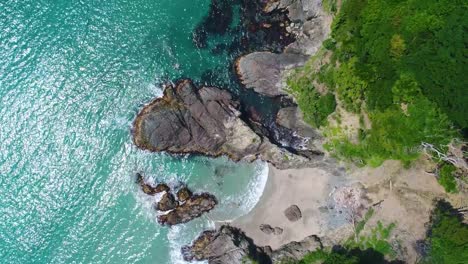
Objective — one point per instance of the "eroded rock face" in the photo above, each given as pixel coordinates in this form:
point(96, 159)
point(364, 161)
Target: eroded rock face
point(205, 121)
point(193, 207)
point(293, 213)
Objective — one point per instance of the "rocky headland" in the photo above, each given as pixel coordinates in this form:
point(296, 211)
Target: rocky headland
point(207, 121)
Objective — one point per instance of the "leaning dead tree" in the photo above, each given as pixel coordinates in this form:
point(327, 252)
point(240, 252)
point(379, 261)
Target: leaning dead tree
point(451, 158)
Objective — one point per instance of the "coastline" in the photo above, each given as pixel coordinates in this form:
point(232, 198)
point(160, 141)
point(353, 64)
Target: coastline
point(309, 189)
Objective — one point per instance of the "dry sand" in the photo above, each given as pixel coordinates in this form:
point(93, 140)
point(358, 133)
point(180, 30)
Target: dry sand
point(307, 188)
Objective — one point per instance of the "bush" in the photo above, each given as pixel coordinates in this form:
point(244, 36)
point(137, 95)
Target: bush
point(447, 179)
point(447, 237)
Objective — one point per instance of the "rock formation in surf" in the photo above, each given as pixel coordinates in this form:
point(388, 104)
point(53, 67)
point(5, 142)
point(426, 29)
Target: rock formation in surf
point(180, 208)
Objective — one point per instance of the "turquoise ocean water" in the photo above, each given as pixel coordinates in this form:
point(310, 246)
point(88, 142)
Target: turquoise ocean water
point(73, 75)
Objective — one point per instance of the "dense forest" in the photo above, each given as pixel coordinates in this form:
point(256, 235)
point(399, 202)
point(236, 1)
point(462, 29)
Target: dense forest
point(401, 63)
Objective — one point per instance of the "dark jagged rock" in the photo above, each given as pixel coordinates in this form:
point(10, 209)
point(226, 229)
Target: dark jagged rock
point(194, 207)
point(226, 245)
point(231, 245)
point(293, 213)
point(206, 121)
point(183, 194)
point(167, 202)
point(150, 189)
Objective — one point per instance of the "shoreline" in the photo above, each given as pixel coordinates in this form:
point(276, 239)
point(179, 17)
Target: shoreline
point(293, 187)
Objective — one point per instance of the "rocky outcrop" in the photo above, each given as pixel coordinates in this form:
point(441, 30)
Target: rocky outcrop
point(205, 121)
point(230, 245)
point(225, 245)
point(293, 213)
point(192, 208)
point(264, 71)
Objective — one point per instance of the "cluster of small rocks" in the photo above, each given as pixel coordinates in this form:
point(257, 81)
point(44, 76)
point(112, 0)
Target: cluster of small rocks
point(268, 229)
point(181, 208)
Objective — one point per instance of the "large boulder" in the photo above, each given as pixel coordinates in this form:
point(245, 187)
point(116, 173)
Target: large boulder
point(193, 207)
point(293, 213)
point(309, 24)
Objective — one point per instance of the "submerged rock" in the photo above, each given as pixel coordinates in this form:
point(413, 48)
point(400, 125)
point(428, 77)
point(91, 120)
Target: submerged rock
point(293, 213)
point(193, 207)
point(167, 202)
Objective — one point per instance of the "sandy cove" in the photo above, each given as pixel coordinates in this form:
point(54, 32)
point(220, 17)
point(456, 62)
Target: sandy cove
point(309, 189)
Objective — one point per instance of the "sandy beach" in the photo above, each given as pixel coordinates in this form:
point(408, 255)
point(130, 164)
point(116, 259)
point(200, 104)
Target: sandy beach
point(309, 189)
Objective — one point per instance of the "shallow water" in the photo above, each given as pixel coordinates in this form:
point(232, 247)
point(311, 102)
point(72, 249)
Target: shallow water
point(73, 75)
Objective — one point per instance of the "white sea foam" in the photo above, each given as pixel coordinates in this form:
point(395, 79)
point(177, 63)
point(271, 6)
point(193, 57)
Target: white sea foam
point(181, 235)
